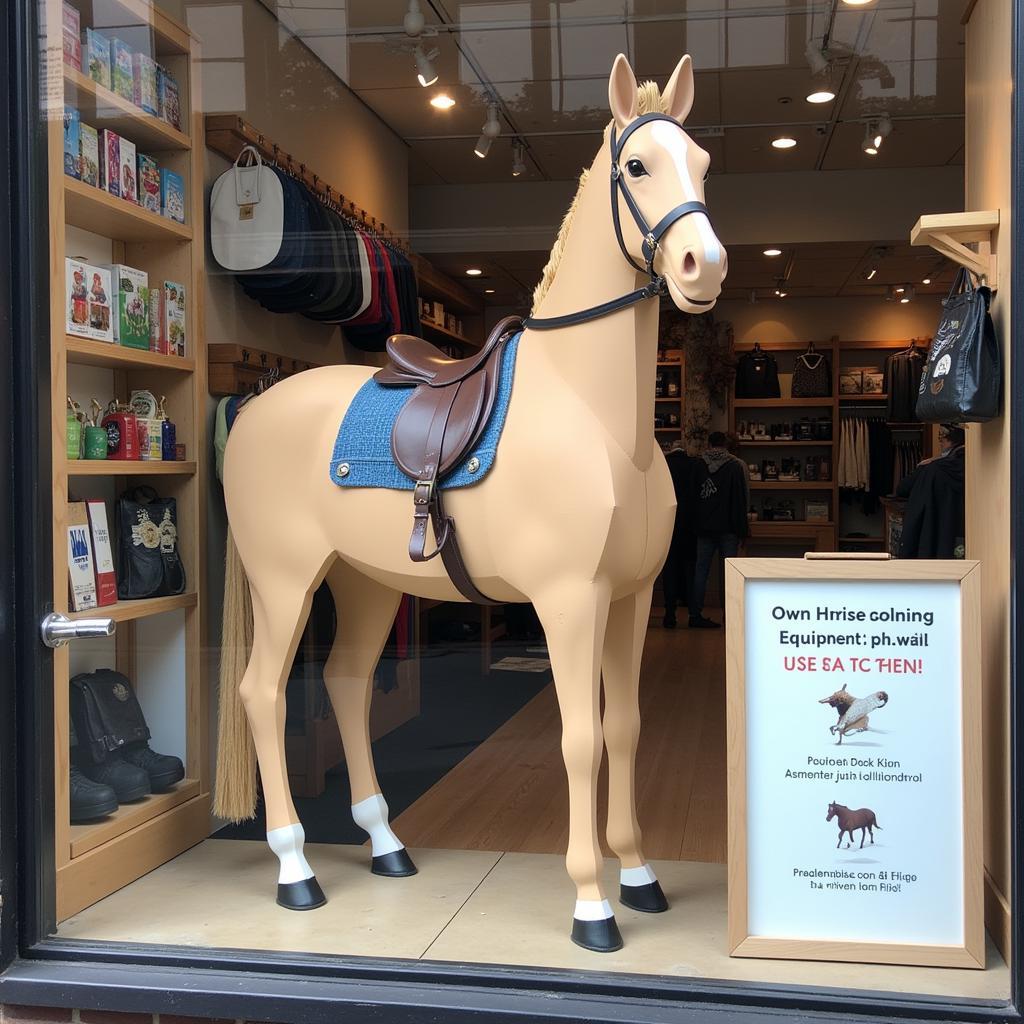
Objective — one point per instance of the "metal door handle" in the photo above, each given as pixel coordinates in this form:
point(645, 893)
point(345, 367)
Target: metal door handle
point(57, 629)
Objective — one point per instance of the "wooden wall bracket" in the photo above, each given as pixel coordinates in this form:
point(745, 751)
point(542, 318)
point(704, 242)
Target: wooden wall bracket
point(948, 233)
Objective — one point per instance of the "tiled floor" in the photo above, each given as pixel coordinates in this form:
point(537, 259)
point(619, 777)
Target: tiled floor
point(472, 906)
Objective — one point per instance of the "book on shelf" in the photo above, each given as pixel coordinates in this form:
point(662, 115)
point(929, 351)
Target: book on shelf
point(172, 195)
point(97, 48)
point(71, 26)
point(87, 301)
point(103, 553)
point(81, 567)
point(145, 93)
point(149, 183)
point(72, 142)
point(122, 78)
point(128, 170)
point(110, 163)
point(168, 96)
point(130, 306)
point(90, 155)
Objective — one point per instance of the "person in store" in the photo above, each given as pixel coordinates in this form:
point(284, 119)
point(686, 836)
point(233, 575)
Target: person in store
point(720, 520)
point(933, 523)
point(677, 576)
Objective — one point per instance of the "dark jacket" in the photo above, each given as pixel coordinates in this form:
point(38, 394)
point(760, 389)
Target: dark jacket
point(757, 375)
point(934, 518)
point(721, 499)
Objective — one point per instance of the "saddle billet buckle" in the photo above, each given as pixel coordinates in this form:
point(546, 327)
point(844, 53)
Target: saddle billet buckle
point(423, 492)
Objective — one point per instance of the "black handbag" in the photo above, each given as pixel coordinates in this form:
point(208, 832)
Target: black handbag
point(962, 381)
point(105, 713)
point(149, 564)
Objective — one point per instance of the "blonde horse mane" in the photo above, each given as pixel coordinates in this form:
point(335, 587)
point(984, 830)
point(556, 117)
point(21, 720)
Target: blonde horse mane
point(648, 102)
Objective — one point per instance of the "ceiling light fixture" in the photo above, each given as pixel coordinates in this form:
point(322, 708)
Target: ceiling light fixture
point(857, 3)
point(783, 142)
point(822, 95)
point(491, 130)
point(425, 73)
point(442, 101)
point(871, 273)
point(518, 158)
point(474, 271)
point(488, 291)
point(413, 23)
point(900, 289)
point(906, 293)
point(868, 144)
point(773, 252)
point(926, 280)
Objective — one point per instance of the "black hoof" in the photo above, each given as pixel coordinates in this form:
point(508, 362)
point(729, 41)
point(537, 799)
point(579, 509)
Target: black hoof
point(647, 898)
point(393, 865)
point(600, 936)
point(304, 895)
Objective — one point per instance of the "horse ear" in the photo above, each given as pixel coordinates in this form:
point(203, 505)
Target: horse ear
point(677, 98)
point(844, 687)
point(622, 93)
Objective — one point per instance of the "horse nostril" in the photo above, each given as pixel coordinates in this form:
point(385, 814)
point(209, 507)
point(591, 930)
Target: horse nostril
point(689, 265)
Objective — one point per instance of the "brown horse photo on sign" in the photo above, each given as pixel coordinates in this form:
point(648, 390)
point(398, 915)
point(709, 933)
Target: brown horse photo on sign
point(850, 821)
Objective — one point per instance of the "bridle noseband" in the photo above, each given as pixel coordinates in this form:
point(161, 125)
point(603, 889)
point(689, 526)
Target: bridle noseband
point(651, 237)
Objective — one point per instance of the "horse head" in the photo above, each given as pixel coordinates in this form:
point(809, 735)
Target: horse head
point(840, 699)
point(663, 173)
point(833, 810)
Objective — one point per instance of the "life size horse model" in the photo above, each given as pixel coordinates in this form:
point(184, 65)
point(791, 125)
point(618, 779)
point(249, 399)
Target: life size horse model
point(853, 711)
point(575, 515)
point(850, 821)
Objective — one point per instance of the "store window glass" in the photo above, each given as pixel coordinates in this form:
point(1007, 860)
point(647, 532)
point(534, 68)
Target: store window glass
point(246, 201)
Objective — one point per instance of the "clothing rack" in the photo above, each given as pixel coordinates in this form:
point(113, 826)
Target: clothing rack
point(240, 370)
point(229, 134)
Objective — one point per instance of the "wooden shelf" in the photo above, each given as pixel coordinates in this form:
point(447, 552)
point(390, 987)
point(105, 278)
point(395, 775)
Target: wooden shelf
point(127, 611)
point(94, 210)
point(433, 284)
point(86, 352)
point(795, 525)
point(103, 108)
point(947, 234)
point(782, 346)
point(786, 444)
point(861, 540)
point(781, 403)
point(128, 816)
point(678, 363)
point(123, 467)
point(676, 401)
point(791, 485)
point(668, 430)
point(873, 397)
point(430, 325)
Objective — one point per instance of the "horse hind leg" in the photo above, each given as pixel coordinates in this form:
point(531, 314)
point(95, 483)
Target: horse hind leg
point(365, 613)
point(639, 888)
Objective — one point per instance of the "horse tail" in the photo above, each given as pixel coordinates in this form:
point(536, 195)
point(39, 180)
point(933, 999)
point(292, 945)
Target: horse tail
point(235, 795)
point(876, 824)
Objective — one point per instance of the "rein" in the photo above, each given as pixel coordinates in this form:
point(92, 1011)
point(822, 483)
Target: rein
point(651, 238)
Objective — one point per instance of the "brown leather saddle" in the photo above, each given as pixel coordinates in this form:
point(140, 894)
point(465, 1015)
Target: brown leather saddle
point(437, 428)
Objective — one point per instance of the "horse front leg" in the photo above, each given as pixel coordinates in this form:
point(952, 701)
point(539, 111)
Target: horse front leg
point(575, 617)
point(623, 650)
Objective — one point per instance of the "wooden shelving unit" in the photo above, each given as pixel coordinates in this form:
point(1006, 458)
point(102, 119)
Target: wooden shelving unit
point(431, 328)
point(821, 536)
point(97, 858)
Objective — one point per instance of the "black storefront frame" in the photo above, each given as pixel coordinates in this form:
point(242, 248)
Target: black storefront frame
point(309, 988)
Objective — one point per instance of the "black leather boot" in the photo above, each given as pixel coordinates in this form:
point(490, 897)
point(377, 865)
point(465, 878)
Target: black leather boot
point(164, 770)
point(89, 799)
point(126, 780)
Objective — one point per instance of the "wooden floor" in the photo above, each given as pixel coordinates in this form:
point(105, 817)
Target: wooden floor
point(510, 794)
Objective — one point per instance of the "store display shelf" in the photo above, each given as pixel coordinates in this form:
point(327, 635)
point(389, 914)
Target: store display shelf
point(126, 611)
point(123, 467)
point(678, 363)
point(861, 540)
point(437, 328)
point(781, 525)
point(781, 403)
point(667, 430)
point(128, 816)
point(874, 397)
point(103, 108)
point(85, 352)
point(675, 398)
point(790, 485)
point(94, 210)
point(785, 444)
point(782, 346)
point(171, 36)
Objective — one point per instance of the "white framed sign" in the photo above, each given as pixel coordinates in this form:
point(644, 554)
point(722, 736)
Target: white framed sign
point(854, 752)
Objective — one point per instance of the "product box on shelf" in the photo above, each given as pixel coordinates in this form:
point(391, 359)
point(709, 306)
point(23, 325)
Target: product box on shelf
point(149, 183)
point(157, 340)
point(131, 306)
point(816, 511)
point(172, 195)
point(90, 155)
point(851, 382)
point(874, 382)
point(100, 319)
point(129, 171)
point(72, 31)
point(103, 553)
point(145, 93)
point(81, 577)
point(174, 318)
point(97, 48)
point(170, 100)
point(87, 301)
point(72, 142)
point(121, 69)
point(110, 166)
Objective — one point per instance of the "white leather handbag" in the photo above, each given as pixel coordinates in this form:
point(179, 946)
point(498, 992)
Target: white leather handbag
point(246, 214)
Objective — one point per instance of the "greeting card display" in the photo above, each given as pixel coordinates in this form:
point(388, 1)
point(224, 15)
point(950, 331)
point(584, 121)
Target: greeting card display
point(72, 142)
point(98, 49)
point(172, 195)
point(170, 101)
point(149, 183)
point(72, 32)
point(145, 91)
point(110, 169)
point(128, 171)
point(90, 155)
point(131, 303)
point(121, 69)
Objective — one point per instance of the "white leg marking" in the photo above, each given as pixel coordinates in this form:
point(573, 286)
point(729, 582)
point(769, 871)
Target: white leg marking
point(592, 910)
point(642, 875)
point(287, 843)
point(371, 815)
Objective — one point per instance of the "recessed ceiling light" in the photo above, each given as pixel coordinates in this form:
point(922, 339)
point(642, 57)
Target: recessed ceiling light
point(773, 252)
point(857, 3)
point(821, 96)
point(900, 289)
point(442, 101)
point(926, 280)
point(488, 291)
point(784, 142)
point(474, 271)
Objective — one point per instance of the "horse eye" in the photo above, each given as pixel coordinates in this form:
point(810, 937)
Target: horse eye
point(636, 168)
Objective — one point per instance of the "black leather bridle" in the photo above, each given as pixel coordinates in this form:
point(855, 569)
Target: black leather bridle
point(651, 238)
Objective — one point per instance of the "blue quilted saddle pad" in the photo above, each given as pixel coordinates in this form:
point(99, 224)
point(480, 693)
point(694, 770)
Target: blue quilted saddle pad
point(362, 450)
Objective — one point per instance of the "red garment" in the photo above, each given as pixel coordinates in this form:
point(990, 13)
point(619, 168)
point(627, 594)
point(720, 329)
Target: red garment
point(392, 289)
